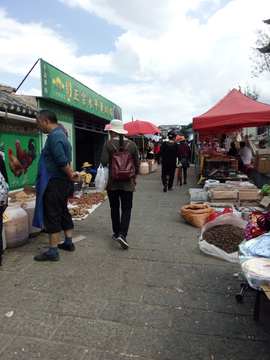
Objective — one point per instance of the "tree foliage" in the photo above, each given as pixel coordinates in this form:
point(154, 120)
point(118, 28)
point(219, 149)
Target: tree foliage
point(260, 61)
point(182, 131)
point(253, 94)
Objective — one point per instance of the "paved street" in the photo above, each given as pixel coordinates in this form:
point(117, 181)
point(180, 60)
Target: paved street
point(161, 299)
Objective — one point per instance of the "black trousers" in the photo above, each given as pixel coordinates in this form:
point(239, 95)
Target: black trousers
point(55, 212)
point(168, 168)
point(120, 224)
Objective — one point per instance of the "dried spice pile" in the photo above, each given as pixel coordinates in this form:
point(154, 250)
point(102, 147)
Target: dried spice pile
point(225, 237)
point(88, 200)
point(84, 203)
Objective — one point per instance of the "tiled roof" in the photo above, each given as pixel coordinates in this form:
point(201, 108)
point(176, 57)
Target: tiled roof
point(12, 103)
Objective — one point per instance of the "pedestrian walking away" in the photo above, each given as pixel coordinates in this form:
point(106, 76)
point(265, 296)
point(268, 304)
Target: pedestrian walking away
point(184, 150)
point(53, 187)
point(169, 152)
point(120, 191)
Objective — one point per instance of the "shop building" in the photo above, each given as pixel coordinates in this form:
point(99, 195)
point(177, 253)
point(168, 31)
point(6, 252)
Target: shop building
point(19, 138)
point(81, 113)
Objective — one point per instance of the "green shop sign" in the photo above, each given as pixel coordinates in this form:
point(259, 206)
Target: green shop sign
point(59, 86)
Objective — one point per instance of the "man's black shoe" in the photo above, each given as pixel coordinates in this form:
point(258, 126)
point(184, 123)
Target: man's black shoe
point(114, 236)
point(165, 188)
point(46, 257)
point(63, 246)
point(123, 242)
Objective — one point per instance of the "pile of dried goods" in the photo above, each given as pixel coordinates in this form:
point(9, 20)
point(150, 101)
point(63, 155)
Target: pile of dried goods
point(225, 237)
point(77, 212)
point(88, 200)
point(84, 203)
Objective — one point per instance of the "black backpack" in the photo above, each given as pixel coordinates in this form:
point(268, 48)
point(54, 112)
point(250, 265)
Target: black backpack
point(122, 164)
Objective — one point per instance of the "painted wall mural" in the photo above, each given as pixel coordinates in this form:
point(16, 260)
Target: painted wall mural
point(21, 158)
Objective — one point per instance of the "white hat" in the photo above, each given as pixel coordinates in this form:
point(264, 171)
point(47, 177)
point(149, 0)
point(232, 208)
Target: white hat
point(116, 126)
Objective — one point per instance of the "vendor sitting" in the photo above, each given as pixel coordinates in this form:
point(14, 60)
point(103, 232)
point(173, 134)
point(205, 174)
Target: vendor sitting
point(244, 156)
point(150, 155)
point(87, 168)
point(232, 151)
point(262, 145)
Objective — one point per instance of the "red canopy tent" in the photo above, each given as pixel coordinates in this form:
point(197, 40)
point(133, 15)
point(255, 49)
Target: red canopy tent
point(234, 111)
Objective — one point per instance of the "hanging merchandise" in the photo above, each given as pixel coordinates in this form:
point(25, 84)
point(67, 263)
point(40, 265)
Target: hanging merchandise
point(238, 137)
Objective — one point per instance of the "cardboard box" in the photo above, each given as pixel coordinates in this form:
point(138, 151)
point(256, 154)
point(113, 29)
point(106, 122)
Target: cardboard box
point(249, 194)
point(265, 202)
point(254, 203)
point(27, 190)
point(227, 201)
point(256, 162)
point(261, 165)
point(267, 167)
point(227, 194)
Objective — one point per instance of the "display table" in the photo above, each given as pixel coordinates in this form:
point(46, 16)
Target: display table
point(211, 162)
point(237, 178)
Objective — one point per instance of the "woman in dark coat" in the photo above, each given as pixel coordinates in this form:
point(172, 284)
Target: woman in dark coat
point(169, 152)
point(184, 155)
point(232, 151)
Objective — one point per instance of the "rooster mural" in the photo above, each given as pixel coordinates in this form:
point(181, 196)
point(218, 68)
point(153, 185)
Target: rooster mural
point(14, 166)
point(23, 161)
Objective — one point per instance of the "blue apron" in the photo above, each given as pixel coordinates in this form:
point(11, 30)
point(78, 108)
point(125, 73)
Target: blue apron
point(42, 180)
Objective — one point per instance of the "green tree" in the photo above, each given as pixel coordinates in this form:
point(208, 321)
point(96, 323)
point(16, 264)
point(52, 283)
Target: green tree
point(260, 56)
point(183, 130)
point(248, 92)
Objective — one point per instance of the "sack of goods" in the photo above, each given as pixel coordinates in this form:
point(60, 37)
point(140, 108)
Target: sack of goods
point(196, 214)
point(123, 167)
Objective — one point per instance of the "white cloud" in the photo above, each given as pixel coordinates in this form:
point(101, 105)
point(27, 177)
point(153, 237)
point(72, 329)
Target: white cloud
point(170, 67)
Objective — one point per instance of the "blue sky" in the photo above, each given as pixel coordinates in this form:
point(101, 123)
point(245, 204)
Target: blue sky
point(161, 61)
point(91, 34)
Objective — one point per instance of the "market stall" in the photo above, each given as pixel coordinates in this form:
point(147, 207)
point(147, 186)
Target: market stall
point(233, 112)
point(234, 219)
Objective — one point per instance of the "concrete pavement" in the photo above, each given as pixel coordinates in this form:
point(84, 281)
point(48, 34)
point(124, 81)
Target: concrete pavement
point(161, 299)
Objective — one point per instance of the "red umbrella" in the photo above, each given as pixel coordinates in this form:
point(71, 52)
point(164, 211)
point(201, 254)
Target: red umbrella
point(141, 127)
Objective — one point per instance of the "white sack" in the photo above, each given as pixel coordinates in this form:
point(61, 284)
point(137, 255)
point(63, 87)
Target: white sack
point(205, 247)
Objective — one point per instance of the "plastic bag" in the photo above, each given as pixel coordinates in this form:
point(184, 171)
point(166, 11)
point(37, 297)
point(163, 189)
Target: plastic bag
point(196, 214)
point(101, 180)
point(213, 250)
point(213, 215)
point(256, 271)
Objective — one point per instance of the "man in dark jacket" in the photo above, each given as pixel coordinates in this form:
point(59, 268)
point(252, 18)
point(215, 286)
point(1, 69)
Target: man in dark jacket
point(169, 152)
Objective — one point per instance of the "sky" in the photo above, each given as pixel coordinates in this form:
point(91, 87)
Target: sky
point(163, 61)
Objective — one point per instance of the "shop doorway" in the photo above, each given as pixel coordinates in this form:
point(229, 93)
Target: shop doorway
point(88, 147)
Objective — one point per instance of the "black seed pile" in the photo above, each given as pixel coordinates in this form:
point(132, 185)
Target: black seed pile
point(225, 237)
